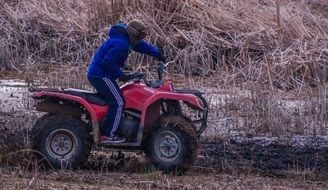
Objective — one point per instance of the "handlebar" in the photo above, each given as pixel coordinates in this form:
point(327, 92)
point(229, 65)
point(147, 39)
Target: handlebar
point(160, 69)
point(154, 84)
point(137, 76)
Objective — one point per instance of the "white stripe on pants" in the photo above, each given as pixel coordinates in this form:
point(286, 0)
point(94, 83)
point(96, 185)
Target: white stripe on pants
point(120, 105)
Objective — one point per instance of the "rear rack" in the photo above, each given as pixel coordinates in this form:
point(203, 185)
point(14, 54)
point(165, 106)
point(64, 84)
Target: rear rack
point(31, 89)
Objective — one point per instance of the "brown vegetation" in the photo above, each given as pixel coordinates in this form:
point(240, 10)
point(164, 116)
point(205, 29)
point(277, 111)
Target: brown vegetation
point(274, 42)
point(230, 45)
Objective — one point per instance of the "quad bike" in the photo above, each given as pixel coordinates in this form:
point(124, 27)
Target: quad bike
point(153, 121)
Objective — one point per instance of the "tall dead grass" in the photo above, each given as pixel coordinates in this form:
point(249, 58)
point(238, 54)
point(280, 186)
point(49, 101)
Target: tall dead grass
point(254, 45)
point(276, 42)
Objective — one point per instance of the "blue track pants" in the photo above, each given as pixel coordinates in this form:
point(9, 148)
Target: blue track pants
point(111, 92)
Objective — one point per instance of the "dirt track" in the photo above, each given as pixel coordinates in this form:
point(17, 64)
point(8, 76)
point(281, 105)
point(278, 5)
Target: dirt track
point(233, 163)
point(219, 166)
point(119, 180)
point(137, 174)
point(216, 168)
point(107, 171)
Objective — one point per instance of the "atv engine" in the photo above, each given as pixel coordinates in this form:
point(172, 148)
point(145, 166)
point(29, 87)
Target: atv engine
point(128, 128)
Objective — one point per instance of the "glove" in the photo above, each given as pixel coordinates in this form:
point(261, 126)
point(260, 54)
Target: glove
point(161, 58)
point(126, 78)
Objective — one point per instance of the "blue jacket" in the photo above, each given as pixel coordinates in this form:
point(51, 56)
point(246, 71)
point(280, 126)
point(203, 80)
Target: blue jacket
point(111, 55)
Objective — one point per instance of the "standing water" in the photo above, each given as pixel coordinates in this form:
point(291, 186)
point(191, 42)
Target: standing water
point(13, 95)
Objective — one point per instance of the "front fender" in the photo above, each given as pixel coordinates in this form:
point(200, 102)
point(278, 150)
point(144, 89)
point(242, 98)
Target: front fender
point(190, 98)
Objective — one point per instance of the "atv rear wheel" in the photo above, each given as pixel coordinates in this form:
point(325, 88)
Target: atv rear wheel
point(63, 140)
point(173, 146)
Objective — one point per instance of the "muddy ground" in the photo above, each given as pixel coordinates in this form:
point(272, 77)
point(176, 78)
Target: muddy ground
point(123, 180)
point(234, 162)
point(109, 170)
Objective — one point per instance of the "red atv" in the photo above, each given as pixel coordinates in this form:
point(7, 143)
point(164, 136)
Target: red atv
point(153, 121)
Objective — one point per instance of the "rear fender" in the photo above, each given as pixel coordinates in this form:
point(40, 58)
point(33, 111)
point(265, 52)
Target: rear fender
point(92, 109)
point(56, 108)
point(96, 112)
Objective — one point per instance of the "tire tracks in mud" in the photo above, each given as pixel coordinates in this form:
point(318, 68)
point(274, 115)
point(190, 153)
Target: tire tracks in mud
point(11, 139)
point(265, 155)
point(258, 153)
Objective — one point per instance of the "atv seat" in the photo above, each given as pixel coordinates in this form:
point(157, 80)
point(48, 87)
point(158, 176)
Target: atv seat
point(91, 97)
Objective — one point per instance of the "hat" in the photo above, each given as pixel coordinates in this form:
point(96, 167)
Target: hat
point(135, 29)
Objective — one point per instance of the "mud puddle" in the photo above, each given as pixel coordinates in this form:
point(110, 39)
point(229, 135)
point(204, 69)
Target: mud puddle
point(14, 95)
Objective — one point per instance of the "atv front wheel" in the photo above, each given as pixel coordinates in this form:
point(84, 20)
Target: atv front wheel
point(63, 140)
point(173, 146)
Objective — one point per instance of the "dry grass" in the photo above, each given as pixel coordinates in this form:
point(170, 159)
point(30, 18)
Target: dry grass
point(244, 50)
point(87, 180)
point(273, 42)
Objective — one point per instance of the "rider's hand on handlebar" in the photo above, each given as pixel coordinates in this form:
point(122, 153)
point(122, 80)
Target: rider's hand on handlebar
point(126, 77)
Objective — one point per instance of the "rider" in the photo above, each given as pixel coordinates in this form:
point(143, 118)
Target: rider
point(106, 67)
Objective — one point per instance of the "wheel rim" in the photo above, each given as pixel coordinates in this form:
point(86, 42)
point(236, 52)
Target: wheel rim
point(168, 146)
point(61, 144)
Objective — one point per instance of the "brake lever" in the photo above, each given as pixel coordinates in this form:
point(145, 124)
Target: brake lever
point(148, 83)
point(156, 84)
point(166, 64)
